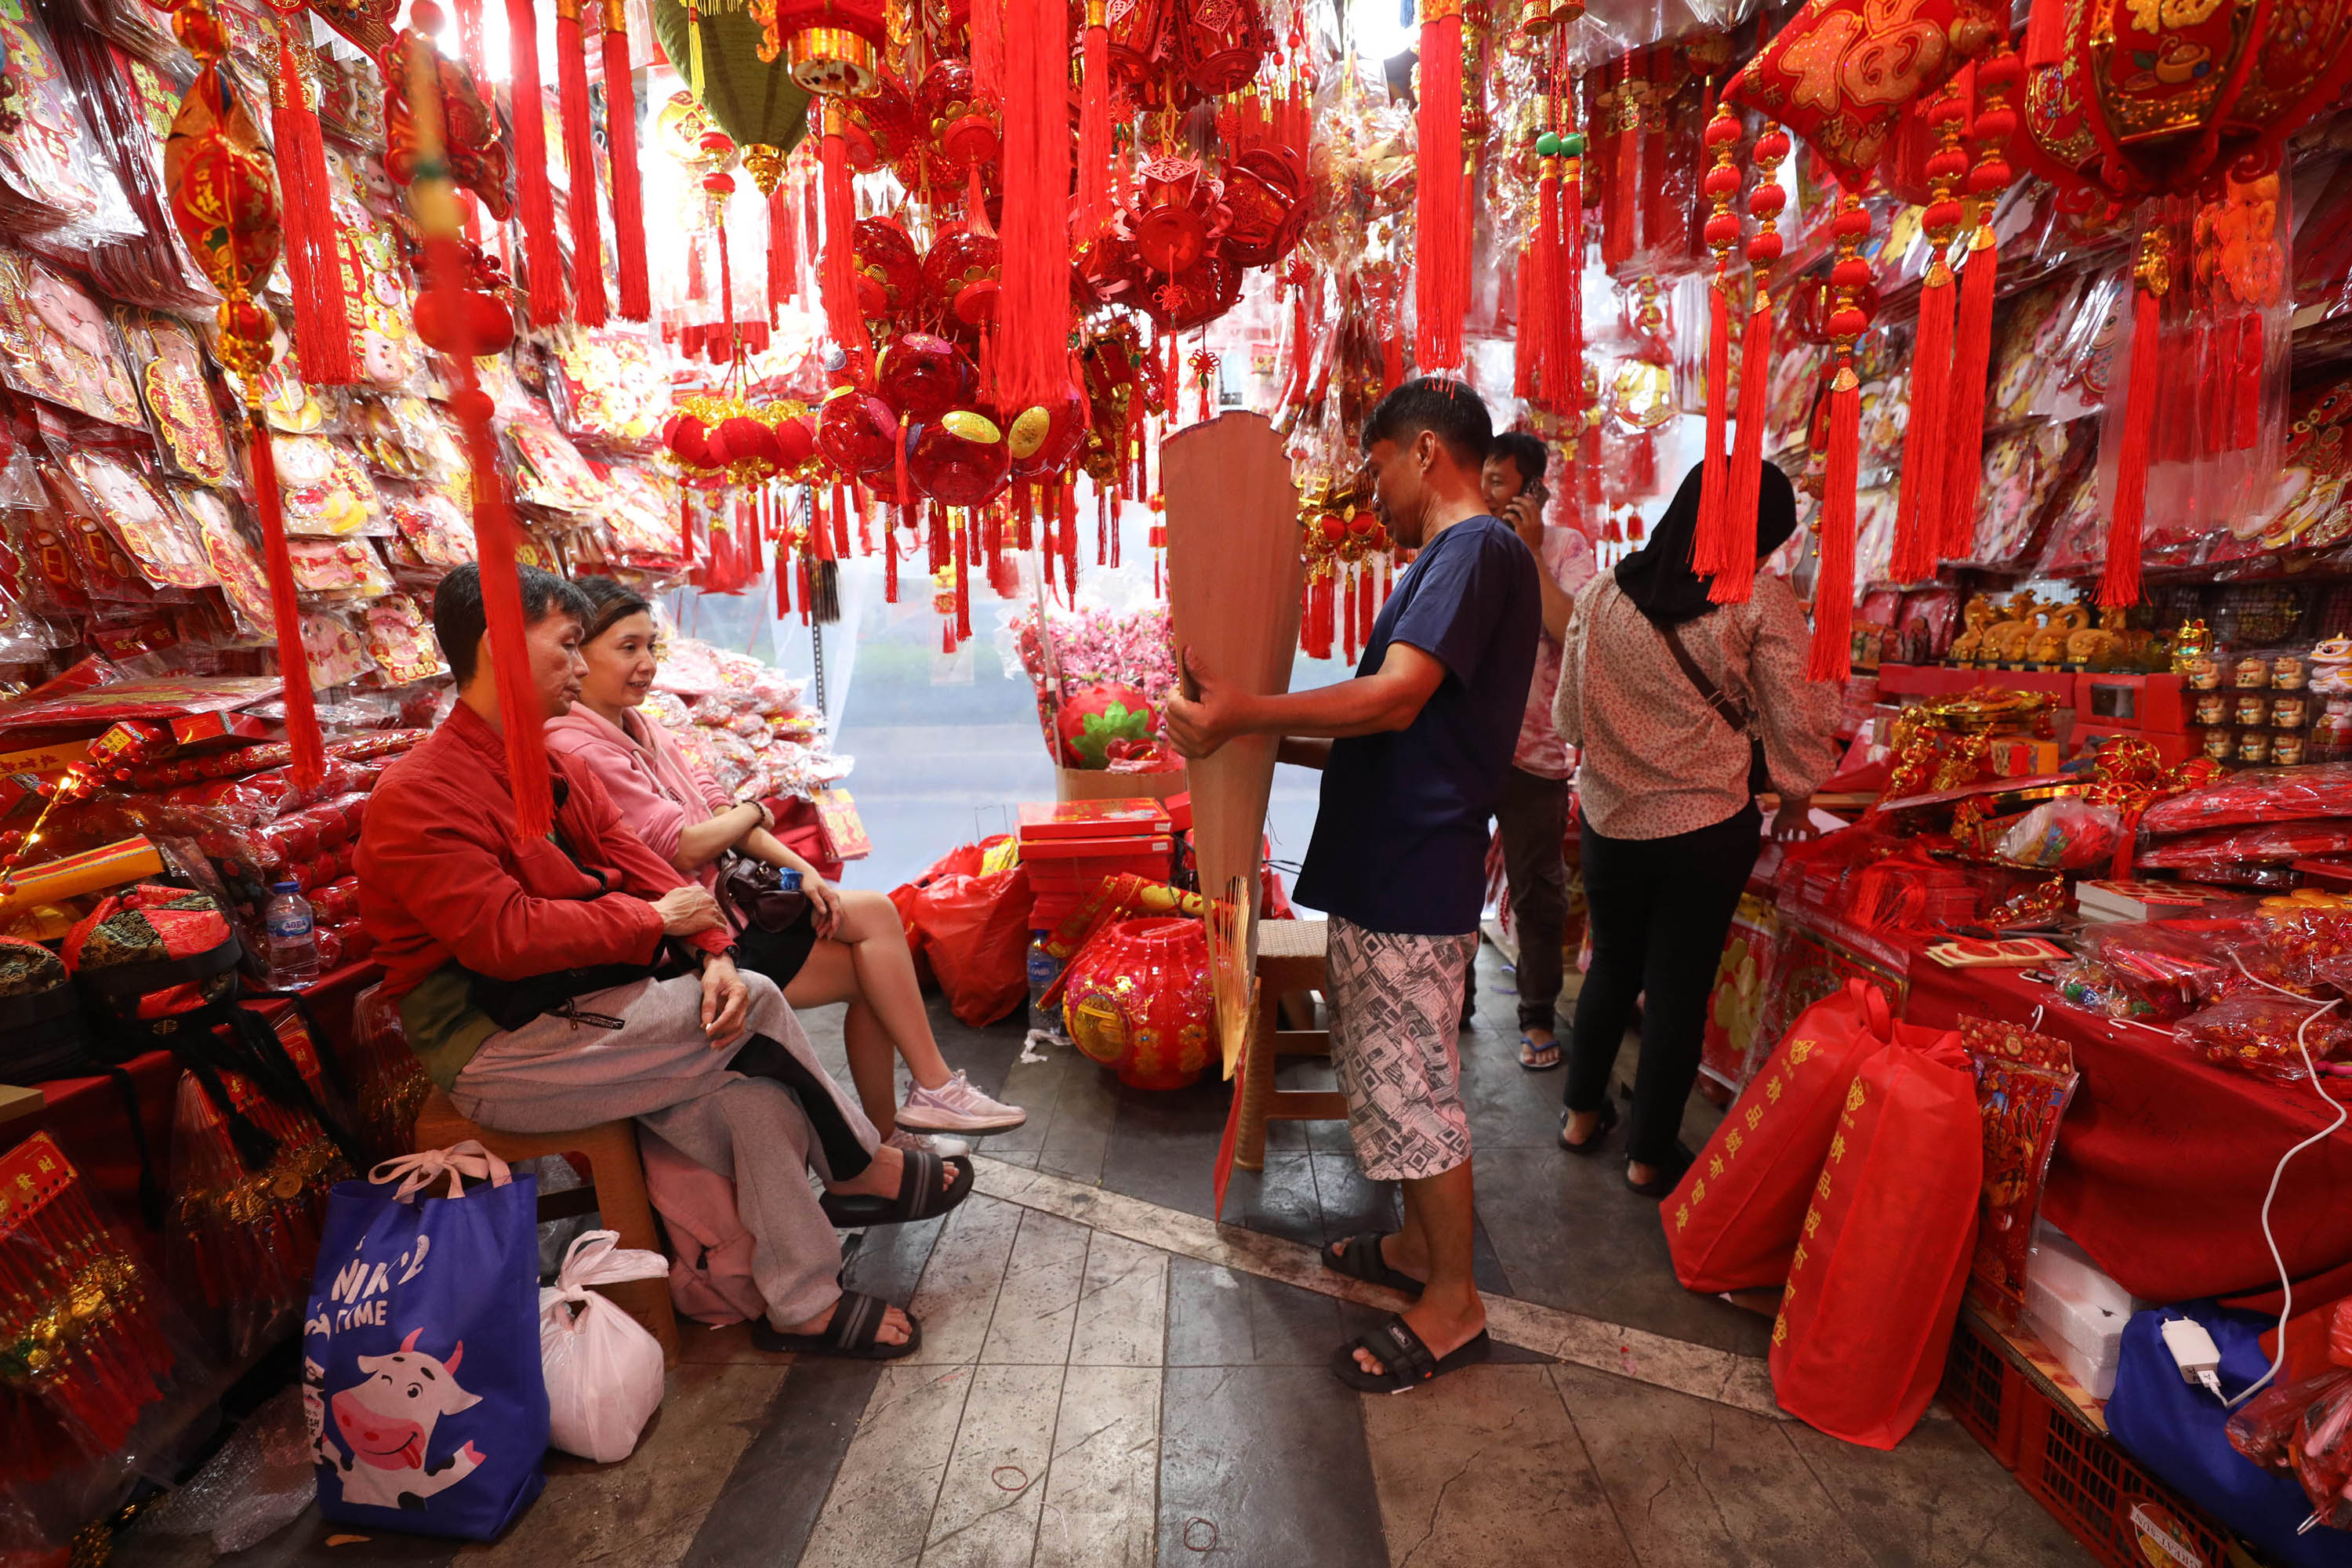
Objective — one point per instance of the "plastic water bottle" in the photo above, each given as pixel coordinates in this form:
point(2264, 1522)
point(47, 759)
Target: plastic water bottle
point(1043, 970)
point(293, 937)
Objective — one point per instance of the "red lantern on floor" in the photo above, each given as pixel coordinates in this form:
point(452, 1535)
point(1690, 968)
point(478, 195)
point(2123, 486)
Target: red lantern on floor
point(1139, 1002)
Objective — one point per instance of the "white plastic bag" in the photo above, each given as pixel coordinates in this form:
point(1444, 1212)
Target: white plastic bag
point(604, 1370)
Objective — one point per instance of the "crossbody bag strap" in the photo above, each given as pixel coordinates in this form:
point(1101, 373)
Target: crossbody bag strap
point(1710, 693)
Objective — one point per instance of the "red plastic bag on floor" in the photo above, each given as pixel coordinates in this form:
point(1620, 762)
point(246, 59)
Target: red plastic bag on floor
point(1733, 1222)
point(972, 930)
point(1874, 1286)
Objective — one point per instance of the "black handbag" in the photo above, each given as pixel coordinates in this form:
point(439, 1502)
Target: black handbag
point(1742, 722)
point(754, 893)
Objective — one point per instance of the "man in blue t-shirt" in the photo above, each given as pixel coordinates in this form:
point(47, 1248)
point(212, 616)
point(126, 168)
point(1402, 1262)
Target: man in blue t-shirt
point(1415, 752)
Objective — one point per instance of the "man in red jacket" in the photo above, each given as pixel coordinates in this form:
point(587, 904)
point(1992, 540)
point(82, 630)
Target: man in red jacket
point(579, 978)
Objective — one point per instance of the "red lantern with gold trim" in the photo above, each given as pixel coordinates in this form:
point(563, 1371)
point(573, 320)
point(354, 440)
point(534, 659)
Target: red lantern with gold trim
point(889, 270)
point(959, 458)
point(961, 273)
point(924, 376)
point(857, 432)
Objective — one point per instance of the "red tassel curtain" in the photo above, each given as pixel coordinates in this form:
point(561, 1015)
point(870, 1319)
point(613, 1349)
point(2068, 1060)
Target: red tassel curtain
point(534, 197)
point(1963, 475)
point(314, 267)
point(1441, 277)
point(1033, 306)
point(1918, 519)
point(628, 189)
point(1834, 585)
point(1736, 580)
point(1710, 546)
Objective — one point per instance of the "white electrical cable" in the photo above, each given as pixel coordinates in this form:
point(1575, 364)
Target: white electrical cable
point(2286, 1281)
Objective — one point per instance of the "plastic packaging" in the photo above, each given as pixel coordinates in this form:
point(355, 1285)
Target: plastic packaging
point(604, 1370)
point(293, 937)
point(2208, 856)
point(1044, 968)
point(2258, 1032)
point(2257, 795)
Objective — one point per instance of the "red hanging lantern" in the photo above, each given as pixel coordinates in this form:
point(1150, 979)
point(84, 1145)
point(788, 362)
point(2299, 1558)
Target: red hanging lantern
point(923, 376)
point(959, 458)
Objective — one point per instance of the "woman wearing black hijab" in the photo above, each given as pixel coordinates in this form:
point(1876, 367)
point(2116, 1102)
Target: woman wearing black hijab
point(1684, 712)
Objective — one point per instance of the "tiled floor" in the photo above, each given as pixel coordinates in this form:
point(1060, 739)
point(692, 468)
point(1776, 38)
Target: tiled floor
point(1108, 1377)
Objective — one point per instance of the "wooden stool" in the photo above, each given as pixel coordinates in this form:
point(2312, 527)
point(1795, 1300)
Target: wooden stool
point(615, 1189)
point(1290, 955)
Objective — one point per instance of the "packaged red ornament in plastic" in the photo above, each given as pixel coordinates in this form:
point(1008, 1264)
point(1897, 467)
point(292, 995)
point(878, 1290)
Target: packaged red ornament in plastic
point(2267, 1034)
point(2258, 794)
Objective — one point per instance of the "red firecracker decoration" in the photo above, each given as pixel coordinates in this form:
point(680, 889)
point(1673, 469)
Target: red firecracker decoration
point(1854, 280)
point(314, 271)
point(1736, 580)
point(580, 158)
point(1710, 547)
point(1963, 475)
point(1441, 277)
point(628, 185)
point(1918, 521)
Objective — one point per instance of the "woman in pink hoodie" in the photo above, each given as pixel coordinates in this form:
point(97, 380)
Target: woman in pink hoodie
point(848, 947)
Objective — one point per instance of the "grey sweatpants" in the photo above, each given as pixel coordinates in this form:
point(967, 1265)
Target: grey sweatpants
point(554, 1074)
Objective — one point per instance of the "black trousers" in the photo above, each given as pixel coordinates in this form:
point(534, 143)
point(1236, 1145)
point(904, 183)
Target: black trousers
point(1533, 821)
point(1661, 909)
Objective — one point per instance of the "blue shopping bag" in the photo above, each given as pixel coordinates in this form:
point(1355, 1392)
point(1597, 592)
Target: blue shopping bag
point(421, 1377)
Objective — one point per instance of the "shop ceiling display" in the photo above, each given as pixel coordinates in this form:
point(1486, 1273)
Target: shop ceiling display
point(1006, 312)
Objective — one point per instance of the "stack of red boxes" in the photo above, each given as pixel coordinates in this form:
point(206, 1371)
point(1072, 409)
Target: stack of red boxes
point(1071, 846)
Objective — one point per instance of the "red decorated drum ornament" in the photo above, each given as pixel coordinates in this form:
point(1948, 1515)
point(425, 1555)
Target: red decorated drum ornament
point(1139, 1002)
point(959, 458)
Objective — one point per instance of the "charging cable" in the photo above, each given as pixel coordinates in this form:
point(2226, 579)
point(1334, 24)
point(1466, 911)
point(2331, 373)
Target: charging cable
point(2286, 1281)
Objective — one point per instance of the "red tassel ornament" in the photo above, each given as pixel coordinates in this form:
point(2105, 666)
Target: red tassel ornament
point(1441, 277)
point(588, 305)
point(1032, 352)
point(628, 183)
point(1710, 546)
point(308, 747)
point(534, 197)
point(1918, 519)
point(845, 317)
point(2151, 279)
point(1094, 124)
point(1832, 648)
point(1564, 361)
point(314, 268)
point(1736, 580)
point(1964, 408)
point(783, 248)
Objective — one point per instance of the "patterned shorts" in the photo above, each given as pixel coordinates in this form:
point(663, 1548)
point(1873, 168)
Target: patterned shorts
point(1396, 1009)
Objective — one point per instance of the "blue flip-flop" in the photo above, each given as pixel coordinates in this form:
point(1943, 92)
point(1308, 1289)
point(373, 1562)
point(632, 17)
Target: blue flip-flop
point(1559, 1055)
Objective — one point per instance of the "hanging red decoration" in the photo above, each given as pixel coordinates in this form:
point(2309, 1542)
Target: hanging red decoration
point(1918, 519)
point(1737, 579)
point(1094, 124)
point(588, 304)
point(314, 269)
point(1964, 406)
point(1710, 547)
point(628, 185)
point(1441, 195)
point(534, 196)
point(1854, 278)
point(1032, 311)
point(2151, 280)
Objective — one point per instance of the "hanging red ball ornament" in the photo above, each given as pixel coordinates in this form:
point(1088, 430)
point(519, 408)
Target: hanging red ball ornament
point(1043, 440)
point(857, 432)
point(889, 269)
point(959, 458)
point(924, 376)
point(962, 274)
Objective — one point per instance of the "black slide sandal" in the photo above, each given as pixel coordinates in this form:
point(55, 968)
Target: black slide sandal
point(1600, 1130)
point(1396, 1347)
point(919, 1196)
point(852, 1335)
point(1363, 1260)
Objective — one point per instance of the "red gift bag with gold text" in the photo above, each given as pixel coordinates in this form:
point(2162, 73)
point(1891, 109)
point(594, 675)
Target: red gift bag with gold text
point(1732, 1223)
point(1876, 1283)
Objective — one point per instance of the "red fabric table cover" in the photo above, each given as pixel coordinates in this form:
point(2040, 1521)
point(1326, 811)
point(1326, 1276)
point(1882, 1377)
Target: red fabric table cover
point(89, 1120)
point(2164, 1158)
